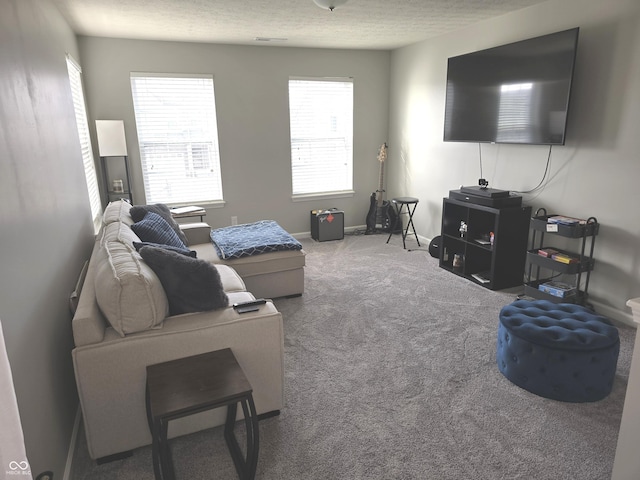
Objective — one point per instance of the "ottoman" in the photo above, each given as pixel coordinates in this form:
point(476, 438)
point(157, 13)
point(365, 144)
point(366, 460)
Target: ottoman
point(560, 351)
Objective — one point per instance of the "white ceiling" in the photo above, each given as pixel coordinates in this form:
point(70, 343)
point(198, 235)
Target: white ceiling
point(359, 24)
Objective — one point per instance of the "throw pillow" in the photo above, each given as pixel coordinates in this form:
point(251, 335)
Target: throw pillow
point(138, 212)
point(182, 251)
point(153, 228)
point(191, 285)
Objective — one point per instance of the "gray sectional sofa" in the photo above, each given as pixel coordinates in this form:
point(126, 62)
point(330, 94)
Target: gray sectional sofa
point(123, 323)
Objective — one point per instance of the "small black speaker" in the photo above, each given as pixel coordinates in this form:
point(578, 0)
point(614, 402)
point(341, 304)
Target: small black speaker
point(434, 246)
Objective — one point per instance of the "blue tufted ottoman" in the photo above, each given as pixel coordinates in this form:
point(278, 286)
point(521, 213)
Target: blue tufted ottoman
point(560, 351)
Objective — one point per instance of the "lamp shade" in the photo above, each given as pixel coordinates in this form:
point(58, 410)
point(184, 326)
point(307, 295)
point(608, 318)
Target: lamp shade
point(111, 139)
point(329, 4)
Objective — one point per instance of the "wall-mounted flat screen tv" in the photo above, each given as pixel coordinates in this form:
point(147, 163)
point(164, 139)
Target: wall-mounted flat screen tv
point(515, 93)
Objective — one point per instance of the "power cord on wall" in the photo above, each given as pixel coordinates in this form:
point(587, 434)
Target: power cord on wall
point(483, 183)
point(544, 175)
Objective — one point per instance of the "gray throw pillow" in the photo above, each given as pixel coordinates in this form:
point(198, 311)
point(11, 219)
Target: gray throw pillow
point(138, 212)
point(191, 285)
point(183, 251)
point(154, 229)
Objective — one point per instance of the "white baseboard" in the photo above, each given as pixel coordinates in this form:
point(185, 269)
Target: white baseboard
point(68, 468)
point(304, 235)
point(424, 241)
point(613, 313)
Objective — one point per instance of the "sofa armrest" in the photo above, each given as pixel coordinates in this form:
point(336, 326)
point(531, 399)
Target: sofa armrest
point(88, 324)
point(196, 233)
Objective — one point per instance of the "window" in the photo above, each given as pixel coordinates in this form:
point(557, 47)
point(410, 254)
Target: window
point(77, 93)
point(178, 138)
point(321, 122)
point(514, 116)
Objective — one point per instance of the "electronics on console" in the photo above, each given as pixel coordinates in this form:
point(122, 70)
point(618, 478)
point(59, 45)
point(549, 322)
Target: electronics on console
point(489, 197)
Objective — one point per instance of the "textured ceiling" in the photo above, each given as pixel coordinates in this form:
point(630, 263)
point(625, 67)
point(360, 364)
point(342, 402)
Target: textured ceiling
point(371, 24)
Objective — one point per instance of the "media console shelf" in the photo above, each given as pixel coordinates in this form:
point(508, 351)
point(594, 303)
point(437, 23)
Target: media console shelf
point(471, 253)
point(575, 267)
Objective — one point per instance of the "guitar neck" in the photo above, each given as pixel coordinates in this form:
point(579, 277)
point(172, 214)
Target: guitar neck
point(381, 185)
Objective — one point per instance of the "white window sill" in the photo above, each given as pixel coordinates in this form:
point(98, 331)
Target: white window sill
point(309, 197)
point(205, 205)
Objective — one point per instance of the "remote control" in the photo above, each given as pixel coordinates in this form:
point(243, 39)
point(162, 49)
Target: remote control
point(250, 303)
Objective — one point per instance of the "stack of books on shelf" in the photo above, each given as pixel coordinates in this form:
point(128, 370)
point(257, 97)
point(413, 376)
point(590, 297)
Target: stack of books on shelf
point(557, 256)
point(547, 252)
point(558, 289)
point(562, 220)
point(564, 258)
point(482, 277)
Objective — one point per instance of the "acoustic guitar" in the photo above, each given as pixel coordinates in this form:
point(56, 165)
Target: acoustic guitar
point(381, 213)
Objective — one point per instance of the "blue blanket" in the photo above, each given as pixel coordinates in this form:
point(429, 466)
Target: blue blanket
point(251, 239)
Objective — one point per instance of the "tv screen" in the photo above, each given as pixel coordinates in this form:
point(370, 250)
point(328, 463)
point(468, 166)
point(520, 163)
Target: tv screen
point(515, 93)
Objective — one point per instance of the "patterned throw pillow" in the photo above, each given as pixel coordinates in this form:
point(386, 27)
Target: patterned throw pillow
point(138, 212)
point(155, 229)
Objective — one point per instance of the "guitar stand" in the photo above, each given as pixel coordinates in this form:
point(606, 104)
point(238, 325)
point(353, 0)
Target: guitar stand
point(402, 201)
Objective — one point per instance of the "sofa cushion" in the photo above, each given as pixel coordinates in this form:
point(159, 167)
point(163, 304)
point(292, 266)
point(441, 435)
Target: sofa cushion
point(117, 211)
point(138, 212)
point(155, 229)
point(118, 232)
point(191, 285)
point(182, 251)
point(128, 292)
point(231, 281)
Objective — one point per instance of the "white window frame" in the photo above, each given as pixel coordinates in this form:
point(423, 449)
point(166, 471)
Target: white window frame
point(321, 134)
point(79, 106)
point(178, 138)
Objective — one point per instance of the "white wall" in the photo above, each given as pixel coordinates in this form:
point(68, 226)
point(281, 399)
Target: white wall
point(45, 223)
point(251, 87)
point(595, 174)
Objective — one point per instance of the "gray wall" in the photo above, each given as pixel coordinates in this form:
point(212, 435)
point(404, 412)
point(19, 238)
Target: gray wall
point(45, 223)
point(251, 87)
point(595, 174)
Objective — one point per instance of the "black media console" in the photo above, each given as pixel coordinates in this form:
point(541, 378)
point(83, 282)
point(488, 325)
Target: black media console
point(486, 244)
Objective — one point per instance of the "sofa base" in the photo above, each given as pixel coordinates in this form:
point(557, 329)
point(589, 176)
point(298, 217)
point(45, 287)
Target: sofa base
point(265, 415)
point(114, 457)
point(286, 283)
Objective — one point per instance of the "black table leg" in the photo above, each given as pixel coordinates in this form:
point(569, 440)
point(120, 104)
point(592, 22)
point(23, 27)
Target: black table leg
point(410, 211)
point(254, 448)
point(246, 467)
point(395, 222)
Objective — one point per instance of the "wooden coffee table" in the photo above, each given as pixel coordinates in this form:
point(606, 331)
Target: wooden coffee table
point(194, 384)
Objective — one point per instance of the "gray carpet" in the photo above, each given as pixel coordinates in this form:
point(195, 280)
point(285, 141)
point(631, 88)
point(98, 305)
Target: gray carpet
point(390, 374)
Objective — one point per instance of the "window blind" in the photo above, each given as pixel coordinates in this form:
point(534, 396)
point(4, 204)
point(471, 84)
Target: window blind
point(515, 113)
point(321, 123)
point(178, 138)
point(77, 93)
